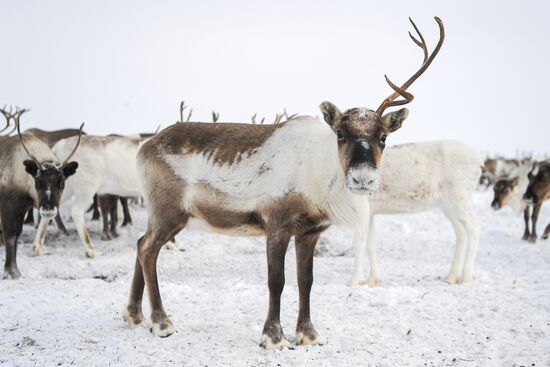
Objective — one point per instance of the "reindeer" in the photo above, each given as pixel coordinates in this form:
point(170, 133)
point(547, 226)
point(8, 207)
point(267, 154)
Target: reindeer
point(510, 191)
point(292, 179)
point(536, 194)
point(50, 138)
point(110, 168)
point(423, 176)
point(28, 179)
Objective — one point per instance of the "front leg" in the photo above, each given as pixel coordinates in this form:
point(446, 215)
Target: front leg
point(305, 246)
point(277, 243)
point(12, 216)
point(38, 246)
point(77, 213)
point(526, 233)
point(359, 245)
point(534, 218)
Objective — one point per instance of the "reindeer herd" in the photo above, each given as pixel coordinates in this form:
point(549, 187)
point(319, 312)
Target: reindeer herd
point(292, 178)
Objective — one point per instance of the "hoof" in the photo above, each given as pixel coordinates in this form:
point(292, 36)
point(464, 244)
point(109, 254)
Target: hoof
point(106, 236)
point(308, 336)
point(12, 273)
point(38, 250)
point(532, 239)
point(374, 282)
point(90, 254)
point(268, 343)
point(544, 236)
point(356, 282)
point(468, 278)
point(453, 279)
point(525, 237)
point(172, 246)
point(163, 329)
point(133, 319)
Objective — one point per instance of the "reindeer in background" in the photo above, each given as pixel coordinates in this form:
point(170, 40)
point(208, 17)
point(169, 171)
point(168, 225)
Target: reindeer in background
point(28, 179)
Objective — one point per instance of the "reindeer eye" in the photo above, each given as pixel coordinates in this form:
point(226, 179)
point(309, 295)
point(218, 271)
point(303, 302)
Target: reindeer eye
point(383, 140)
point(339, 135)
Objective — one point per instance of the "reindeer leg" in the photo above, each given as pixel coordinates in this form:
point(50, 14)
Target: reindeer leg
point(546, 232)
point(127, 217)
point(77, 213)
point(374, 276)
point(277, 243)
point(30, 217)
point(526, 233)
point(38, 246)
point(534, 219)
point(305, 246)
point(114, 216)
point(359, 243)
point(94, 207)
point(455, 274)
point(105, 207)
point(472, 231)
point(134, 314)
point(60, 225)
point(148, 250)
point(13, 215)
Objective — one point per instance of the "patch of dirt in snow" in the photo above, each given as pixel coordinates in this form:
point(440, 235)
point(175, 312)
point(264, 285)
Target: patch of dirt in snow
point(67, 309)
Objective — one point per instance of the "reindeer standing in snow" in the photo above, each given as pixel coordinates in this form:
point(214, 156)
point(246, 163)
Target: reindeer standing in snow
point(423, 176)
point(28, 179)
point(281, 180)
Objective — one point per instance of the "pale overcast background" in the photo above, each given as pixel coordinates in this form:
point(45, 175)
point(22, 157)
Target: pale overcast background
point(123, 66)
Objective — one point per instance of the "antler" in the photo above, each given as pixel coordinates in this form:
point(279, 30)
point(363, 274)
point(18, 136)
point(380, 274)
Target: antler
point(289, 117)
point(75, 147)
point(401, 91)
point(16, 117)
point(7, 116)
point(215, 116)
point(182, 108)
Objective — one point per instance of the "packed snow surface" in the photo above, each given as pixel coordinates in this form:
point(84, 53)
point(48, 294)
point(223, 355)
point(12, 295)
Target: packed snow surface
point(67, 309)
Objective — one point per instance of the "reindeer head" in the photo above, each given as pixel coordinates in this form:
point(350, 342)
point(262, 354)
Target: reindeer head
point(49, 176)
point(503, 192)
point(362, 132)
point(539, 184)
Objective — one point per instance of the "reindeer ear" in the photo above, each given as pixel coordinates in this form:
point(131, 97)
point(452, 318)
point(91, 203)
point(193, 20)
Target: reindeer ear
point(394, 120)
point(70, 168)
point(331, 113)
point(30, 167)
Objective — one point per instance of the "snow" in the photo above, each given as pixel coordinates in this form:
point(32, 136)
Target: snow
point(67, 309)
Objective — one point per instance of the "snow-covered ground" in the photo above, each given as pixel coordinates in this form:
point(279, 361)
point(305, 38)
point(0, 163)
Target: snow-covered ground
point(67, 310)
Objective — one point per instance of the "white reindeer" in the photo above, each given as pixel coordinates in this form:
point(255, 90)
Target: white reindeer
point(108, 166)
point(422, 176)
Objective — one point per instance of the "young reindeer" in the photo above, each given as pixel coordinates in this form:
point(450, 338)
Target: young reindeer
point(28, 179)
point(290, 179)
point(537, 193)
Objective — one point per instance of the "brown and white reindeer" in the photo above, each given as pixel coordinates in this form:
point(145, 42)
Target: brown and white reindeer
point(282, 180)
point(510, 191)
point(50, 138)
point(30, 174)
point(537, 193)
point(109, 168)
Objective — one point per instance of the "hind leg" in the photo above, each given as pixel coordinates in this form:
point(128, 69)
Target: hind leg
point(105, 204)
point(127, 221)
point(472, 230)
point(455, 274)
point(77, 213)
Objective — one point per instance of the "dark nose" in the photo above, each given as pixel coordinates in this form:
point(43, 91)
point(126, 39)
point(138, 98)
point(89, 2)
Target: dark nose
point(362, 153)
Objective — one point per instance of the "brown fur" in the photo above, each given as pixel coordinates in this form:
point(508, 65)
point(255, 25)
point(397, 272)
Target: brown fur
point(238, 139)
point(538, 192)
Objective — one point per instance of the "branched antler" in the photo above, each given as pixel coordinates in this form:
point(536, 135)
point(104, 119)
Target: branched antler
point(401, 91)
point(7, 116)
point(182, 108)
